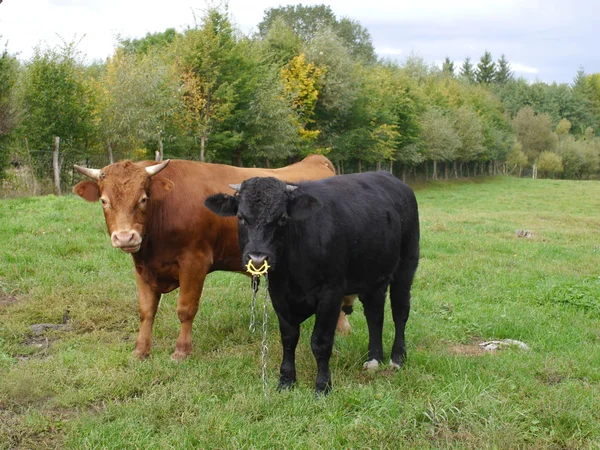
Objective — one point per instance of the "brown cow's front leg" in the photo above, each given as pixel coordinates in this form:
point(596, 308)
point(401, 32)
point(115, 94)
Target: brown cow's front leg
point(191, 282)
point(148, 300)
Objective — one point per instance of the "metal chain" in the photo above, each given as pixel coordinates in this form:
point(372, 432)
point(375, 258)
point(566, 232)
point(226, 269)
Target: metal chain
point(264, 347)
point(252, 326)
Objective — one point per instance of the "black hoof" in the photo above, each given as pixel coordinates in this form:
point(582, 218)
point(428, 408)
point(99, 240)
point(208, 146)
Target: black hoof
point(285, 385)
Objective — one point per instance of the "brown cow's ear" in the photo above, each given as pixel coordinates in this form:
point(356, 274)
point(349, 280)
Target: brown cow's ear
point(159, 187)
point(88, 190)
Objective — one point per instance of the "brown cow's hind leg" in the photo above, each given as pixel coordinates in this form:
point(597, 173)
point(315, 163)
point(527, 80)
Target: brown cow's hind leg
point(343, 326)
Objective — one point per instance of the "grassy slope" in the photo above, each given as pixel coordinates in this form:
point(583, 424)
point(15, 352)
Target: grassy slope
point(80, 387)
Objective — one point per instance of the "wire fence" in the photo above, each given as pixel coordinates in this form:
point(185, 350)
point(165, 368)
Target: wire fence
point(32, 174)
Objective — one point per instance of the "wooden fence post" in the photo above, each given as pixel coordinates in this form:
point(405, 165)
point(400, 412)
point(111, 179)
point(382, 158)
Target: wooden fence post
point(56, 164)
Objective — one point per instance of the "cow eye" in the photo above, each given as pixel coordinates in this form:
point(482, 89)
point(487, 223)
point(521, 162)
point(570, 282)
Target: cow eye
point(143, 200)
point(104, 202)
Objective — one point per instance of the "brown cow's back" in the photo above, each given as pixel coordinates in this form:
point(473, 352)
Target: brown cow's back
point(180, 226)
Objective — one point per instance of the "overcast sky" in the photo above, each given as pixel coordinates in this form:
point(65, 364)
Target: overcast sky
point(543, 39)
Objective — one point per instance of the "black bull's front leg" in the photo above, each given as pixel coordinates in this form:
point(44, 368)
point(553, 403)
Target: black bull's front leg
point(289, 340)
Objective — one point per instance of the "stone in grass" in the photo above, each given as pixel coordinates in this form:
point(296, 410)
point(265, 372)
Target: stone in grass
point(492, 346)
point(524, 233)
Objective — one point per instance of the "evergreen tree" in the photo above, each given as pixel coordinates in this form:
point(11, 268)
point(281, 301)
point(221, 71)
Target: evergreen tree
point(503, 72)
point(448, 67)
point(466, 70)
point(579, 82)
point(486, 69)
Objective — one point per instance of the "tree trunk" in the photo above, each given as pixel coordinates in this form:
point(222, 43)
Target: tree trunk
point(520, 171)
point(434, 176)
point(160, 155)
point(268, 164)
point(111, 158)
point(338, 167)
point(404, 173)
point(202, 146)
point(391, 166)
point(359, 166)
point(426, 171)
point(378, 165)
point(33, 180)
point(56, 164)
point(455, 170)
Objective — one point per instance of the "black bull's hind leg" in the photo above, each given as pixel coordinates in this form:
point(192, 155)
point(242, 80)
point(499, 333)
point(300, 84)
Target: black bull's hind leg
point(400, 301)
point(373, 304)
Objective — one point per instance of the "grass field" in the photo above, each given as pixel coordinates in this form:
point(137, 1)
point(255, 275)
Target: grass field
point(78, 387)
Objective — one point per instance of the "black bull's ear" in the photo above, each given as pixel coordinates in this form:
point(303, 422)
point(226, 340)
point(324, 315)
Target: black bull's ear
point(222, 204)
point(303, 206)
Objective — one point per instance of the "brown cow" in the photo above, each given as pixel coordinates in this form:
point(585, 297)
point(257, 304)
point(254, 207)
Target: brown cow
point(156, 212)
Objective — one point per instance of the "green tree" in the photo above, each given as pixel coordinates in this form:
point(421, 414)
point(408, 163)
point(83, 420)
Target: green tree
point(503, 73)
point(57, 101)
point(273, 123)
point(517, 158)
point(534, 132)
point(150, 42)
point(212, 71)
point(467, 71)
point(280, 44)
point(486, 69)
point(448, 67)
point(439, 139)
point(307, 21)
point(563, 127)
point(470, 131)
point(8, 112)
point(549, 163)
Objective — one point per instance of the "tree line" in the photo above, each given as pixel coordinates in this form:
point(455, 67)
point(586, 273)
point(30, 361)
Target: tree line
point(306, 82)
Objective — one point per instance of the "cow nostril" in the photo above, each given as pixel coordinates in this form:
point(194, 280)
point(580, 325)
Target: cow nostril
point(257, 260)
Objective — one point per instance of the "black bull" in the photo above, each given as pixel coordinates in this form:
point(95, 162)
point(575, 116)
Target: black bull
point(350, 234)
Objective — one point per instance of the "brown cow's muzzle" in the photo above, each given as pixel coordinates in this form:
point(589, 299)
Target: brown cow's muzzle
point(129, 241)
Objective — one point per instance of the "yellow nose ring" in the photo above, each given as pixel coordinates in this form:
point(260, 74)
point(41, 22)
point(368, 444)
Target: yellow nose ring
point(257, 272)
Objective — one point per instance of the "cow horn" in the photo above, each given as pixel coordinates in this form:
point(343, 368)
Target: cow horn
point(153, 170)
point(92, 173)
point(290, 188)
point(236, 187)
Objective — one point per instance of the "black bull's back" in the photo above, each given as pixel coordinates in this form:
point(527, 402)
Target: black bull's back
point(368, 223)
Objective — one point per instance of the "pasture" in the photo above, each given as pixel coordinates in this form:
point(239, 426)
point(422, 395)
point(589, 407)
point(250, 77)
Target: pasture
point(77, 386)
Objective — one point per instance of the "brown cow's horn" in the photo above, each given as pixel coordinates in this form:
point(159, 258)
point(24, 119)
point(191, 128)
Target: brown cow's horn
point(290, 188)
point(153, 170)
point(235, 187)
point(92, 173)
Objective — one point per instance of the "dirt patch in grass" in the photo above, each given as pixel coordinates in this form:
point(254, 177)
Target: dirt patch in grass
point(40, 429)
point(6, 299)
point(472, 349)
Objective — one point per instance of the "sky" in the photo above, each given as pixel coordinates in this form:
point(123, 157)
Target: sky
point(545, 40)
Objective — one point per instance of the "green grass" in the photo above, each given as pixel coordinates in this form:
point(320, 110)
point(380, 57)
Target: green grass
point(80, 388)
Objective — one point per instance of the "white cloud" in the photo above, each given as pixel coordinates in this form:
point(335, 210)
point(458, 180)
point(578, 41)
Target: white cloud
point(518, 67)
point(389, 51)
